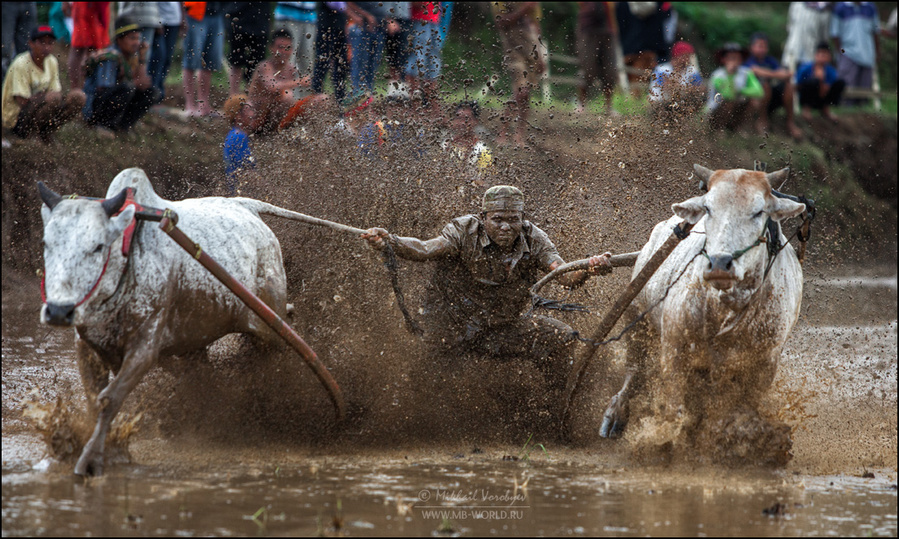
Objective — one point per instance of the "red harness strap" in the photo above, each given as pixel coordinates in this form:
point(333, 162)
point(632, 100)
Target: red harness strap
point(127, 236)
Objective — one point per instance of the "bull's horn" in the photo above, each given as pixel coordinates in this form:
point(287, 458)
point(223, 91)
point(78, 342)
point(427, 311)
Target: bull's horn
point(776, 178)
point(704, 176)
point(114, 204)
point(50, 198)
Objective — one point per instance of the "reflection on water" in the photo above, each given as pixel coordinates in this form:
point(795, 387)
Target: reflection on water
point(477, 496)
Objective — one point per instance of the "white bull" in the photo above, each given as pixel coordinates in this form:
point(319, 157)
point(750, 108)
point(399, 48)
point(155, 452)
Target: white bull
point(726, 306)
point(127, 313)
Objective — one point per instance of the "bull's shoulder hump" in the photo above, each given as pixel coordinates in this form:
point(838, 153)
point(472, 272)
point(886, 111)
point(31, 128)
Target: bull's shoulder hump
point(137, 179)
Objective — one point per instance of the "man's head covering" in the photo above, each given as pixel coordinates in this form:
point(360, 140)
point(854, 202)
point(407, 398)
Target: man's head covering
point(728, 48)
point(822, 46)
point(42, 31)
point(759, 35)
point(680, 48)
point(503, 197)
point(124, 25)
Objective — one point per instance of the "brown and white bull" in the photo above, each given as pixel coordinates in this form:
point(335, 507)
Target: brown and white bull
point(127, 313)
point(721, 307)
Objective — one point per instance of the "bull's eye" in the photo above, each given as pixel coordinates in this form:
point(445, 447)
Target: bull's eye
point(707, 211)
point(98, 249)
point(759, 214)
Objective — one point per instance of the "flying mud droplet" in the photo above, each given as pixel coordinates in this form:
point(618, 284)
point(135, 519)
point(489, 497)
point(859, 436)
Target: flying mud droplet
point(338, 298)
point(620, 164)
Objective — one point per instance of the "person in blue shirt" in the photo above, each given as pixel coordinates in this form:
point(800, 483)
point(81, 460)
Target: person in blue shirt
point(118, 89)
point(854, 28)
point(777, 82)
point(818, 84)
point(238, 157)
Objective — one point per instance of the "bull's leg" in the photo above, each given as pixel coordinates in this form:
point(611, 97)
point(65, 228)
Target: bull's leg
point(94, 374)
point(136, 364)
point(617, 413)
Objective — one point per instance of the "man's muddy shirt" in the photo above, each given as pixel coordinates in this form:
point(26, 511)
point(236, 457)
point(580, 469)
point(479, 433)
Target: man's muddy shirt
point(480, 283)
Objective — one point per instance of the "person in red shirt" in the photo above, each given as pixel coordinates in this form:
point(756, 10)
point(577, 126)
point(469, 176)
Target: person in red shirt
point(90, 32)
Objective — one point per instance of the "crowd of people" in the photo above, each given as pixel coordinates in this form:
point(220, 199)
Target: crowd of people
point(280, 55)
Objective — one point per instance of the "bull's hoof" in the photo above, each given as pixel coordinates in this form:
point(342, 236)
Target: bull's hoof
point(89, 465)
point(614, 420)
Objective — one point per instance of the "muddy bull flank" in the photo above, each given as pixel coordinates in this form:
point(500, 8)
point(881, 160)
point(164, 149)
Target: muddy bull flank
point(133, 295)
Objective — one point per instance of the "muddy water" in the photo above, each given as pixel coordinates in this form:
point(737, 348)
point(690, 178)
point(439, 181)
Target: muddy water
point(838, 378)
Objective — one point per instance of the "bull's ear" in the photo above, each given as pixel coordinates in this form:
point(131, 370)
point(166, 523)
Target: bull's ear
point(691, 210)
point(120, 222)
point(783, 208)
point(704, 175)
point(777, 178)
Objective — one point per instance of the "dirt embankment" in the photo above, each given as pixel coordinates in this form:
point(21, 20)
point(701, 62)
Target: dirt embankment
point(593, 184)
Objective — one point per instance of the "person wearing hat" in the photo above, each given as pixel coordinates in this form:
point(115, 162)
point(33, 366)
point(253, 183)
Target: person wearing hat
point(486, 264)
point(33, 102)
point(734, 90)
point(677, 85)
point(777, 82)
point(819, 85)
point(119, 90)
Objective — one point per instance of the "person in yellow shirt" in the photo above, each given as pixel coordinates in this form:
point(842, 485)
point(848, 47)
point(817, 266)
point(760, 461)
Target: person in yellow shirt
point(33, 102)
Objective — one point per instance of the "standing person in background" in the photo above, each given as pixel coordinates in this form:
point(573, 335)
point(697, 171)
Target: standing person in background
point(596, 51)
point(808, 23)
point(18, 19)
point(300, 19)
point(60, 20)
point(164, 44)
point(446, 16)
point(118, 89)
point(330, 49)
point(398, 44)
point(519, 30)
point(854, 28)
point(203, 48)
point(33, 102)
point(423, 66)
point(247, 31)
point(90, 32)
point(146, 15)
point(641, 34)
point(777, 81)
point(367, 36)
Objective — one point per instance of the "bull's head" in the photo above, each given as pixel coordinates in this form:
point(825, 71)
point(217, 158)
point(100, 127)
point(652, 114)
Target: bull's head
point(78, 238)
point(736, 208)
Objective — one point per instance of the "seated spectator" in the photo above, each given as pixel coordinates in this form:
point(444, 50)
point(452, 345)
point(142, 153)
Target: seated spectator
point(272, 86)
point(818, 84)
point(777, 82)
point(33, 102)
point(464, 142)
point(387, 124)
point(677, 85)
point(242, 118)
point(310, 108)
point(118, 89)
point(734, 89)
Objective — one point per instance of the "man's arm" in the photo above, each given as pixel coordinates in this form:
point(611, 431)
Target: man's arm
point(409, 248)
point(141, 77)
point(599, 265)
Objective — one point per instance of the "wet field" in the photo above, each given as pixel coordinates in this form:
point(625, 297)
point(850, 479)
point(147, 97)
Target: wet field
point(836, 387)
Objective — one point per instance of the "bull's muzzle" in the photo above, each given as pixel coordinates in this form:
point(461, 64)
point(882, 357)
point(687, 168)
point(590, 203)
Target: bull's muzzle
point(720, 273)
point(58, 315)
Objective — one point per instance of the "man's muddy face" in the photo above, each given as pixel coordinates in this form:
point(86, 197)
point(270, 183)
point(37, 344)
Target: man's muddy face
point(503, 226)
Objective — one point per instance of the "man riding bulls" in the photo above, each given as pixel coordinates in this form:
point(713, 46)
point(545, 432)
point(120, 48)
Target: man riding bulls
point(486, 264)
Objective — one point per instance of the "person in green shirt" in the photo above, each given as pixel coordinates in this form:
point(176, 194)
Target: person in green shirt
point(734, 90)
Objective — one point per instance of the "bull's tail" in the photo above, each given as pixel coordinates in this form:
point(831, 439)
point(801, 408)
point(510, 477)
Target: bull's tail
point(265, 208)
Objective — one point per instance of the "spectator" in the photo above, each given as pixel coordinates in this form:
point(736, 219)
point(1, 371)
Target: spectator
point(519, 29)
point(854, 29)
point(366, 36)
point(446, 15)
point(640, 27)
point(247, 32)
point(33, 102)
point(18, 20)
point(60, 21)
point(272, 87)
point(299, 19)
point(164, 44)
point(146, 15)
point(398, 45)
point(423, 66)
point(819, 85)
point(889, 29)
point(203, 48)
point(808, 23)
point(118, 89)
point(734, 89)
point(90, 33)
point(777, 82)
point(464, 142)
point(241, 117)
point(330, 49)
point(596, 51)
point(677, 85)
